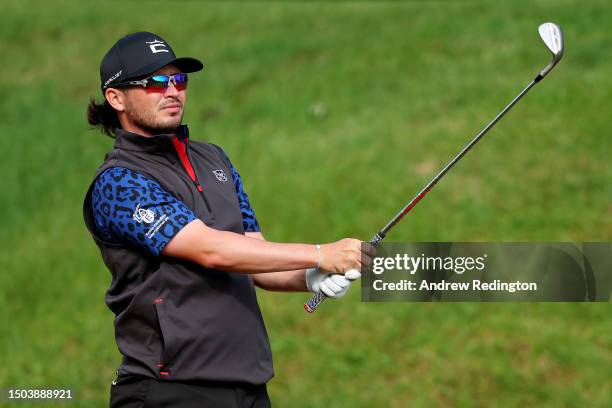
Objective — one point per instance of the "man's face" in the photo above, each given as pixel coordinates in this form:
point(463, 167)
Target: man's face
point(152, 110)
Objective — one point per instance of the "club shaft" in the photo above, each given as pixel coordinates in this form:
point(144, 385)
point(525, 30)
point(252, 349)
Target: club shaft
point(314, 302)
point(383, 232)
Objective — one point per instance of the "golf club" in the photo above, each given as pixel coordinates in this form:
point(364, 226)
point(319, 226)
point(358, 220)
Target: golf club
point(553, 38)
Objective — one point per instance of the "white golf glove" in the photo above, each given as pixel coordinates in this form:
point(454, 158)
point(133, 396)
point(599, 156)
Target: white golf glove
point(334, 285)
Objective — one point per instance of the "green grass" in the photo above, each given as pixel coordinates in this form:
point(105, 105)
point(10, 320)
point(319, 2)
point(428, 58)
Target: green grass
point(335, 113)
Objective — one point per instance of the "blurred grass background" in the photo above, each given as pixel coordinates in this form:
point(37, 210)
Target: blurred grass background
point(335, 113)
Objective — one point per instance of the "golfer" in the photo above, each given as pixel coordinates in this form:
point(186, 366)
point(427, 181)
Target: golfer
point(177, 231)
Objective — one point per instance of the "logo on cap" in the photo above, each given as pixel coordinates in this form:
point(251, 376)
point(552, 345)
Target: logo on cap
point(155, 46)
point(111, 79)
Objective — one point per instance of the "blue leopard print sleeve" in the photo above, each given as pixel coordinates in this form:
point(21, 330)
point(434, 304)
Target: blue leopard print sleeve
point(129, 207)
point(249, 221)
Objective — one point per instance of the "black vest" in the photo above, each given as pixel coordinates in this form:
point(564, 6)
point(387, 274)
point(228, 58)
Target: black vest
point(176, 320)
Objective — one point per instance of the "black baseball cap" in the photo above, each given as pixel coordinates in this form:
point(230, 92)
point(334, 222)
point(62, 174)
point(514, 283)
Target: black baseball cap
point(140, 54)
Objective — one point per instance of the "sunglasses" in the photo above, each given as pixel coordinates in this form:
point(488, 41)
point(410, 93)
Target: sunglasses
point(158, 82)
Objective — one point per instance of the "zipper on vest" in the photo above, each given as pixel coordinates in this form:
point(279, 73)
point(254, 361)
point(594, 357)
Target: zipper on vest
point(183, 153)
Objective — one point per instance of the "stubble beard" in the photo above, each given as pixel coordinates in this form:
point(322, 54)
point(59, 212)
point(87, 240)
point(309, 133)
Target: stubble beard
point(147, 121)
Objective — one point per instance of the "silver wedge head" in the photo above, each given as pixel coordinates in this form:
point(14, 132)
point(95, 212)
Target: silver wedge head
point(553, 38)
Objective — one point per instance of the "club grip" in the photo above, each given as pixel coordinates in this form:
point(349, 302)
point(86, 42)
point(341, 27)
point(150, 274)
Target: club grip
point(314, 302)
point(318, 298)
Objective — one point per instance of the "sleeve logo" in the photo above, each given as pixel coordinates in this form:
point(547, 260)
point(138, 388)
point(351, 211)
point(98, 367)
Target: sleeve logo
point(143, 215)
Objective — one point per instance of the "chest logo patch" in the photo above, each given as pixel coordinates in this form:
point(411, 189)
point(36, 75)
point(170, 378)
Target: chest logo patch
point(220, 175)
point(143, 215)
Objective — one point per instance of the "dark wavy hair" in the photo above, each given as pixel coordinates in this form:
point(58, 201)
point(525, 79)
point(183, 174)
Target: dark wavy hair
point(103, 115)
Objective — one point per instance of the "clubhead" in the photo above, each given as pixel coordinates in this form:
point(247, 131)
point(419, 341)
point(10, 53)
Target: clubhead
point(553, 38)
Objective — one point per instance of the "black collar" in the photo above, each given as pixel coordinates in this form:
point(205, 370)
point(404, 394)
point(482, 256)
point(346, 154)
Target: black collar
point(157, 143)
